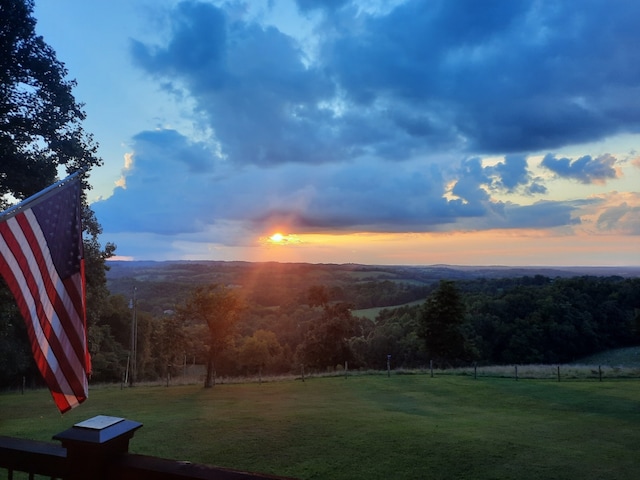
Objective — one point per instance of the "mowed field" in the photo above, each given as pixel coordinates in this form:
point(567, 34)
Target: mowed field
point(371, 427)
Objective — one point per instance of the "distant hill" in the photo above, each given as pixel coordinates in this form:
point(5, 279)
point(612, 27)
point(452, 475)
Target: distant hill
point(161, 285)
point(236, 272)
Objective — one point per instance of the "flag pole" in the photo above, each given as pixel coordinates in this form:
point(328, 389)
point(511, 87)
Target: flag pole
point(37, 197)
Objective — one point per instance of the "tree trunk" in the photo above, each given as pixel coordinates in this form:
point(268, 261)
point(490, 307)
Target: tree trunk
point(208, 381)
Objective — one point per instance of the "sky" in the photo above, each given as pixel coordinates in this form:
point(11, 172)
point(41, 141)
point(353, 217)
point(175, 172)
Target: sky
point(416, 132)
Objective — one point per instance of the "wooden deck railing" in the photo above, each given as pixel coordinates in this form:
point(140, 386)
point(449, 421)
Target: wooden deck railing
point(98, 449)
point(35, 458)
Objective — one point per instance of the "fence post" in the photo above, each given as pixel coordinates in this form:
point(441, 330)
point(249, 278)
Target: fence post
point(558, 372)
point(431, 367)
point(516, 373)
point(93, 444)
point(600, 372)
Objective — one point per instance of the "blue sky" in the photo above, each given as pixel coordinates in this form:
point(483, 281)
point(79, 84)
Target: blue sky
point(380, 132)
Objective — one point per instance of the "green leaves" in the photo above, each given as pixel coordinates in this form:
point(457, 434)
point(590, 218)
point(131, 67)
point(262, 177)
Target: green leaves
point(40, 120)
point(218, 308)
point(440, 325)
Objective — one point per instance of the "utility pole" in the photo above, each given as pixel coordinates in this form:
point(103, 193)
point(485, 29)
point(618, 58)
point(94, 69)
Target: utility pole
point(134, 339)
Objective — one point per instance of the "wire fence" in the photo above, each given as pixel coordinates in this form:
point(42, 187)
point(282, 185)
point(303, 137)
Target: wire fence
point(557, 372)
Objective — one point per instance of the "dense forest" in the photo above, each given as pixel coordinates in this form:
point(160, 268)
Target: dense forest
point(240, 318)
point(321, 316)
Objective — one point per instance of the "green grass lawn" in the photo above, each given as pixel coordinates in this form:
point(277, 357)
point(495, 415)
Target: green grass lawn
point(372, 313)
point(372, 427)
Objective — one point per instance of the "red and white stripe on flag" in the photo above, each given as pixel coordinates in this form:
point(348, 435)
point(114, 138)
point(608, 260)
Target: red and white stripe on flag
point(41, 259)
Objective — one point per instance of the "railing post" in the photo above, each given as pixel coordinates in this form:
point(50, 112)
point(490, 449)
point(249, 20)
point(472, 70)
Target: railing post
point(92, 445)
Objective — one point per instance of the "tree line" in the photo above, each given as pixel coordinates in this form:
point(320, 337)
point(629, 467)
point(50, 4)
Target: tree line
point(501, 321)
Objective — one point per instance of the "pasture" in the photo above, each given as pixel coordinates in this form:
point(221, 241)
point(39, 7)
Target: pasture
point(371, 427)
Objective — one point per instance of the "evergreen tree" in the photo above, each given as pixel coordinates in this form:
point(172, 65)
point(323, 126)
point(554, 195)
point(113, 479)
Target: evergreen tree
point(441, 322)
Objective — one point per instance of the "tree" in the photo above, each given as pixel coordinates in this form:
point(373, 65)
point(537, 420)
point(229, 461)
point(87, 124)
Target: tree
point(41, 130)
point(260, 350)
point(15, 353)
point(217, 307)
point(327, 342)
point(110, 339)
point(40, 120)
point(394, 333)
point(318, 296)
point(440, 324)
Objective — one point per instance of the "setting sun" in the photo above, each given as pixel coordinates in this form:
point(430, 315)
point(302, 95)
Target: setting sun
point(280, 239)
point(276, 237)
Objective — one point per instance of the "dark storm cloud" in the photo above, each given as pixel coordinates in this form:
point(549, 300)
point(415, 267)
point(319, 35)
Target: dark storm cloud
point(369, 195)
point(585, 169)
point(469, 185)
point(294, 195)
point(168, 143)
point(198, 45)
point(510, 76)
point(513, 175)
point(492, 77)
point(513, 171)
point(475, 181)
point(384, 123)
point(364, 194)
point(251, 84)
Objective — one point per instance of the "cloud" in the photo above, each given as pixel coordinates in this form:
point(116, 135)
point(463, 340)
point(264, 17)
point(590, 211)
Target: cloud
point(175, 186)
point(542, 215)
point(505, 76)
point(512, 172)
point(328, 5)
point(621, 218)
point(128, 163)
point(164, 196)
point(164, 180)
point(585, 169)
point(494, 77)
point(251, 84)
point(611, 213)
point(476, 182)
point(381, 119)
point(536, 188)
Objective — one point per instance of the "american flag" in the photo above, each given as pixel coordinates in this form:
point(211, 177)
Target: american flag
point(42, 262)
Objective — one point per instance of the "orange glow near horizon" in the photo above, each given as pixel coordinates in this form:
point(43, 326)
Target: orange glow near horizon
point(494, 247)
point(579, 246)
